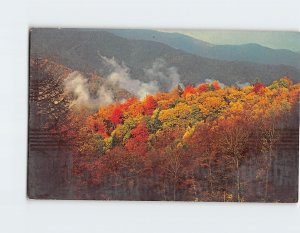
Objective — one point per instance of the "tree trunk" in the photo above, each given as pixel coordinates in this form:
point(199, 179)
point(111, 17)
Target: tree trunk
point(174, 189)
point(269, 161)
point(174, 185)
point(225, 192)
point(238, 180)
point(165, 197)
point(210, 178)
point(194, 189)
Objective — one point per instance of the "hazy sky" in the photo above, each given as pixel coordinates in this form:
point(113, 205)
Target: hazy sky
point(276, 40)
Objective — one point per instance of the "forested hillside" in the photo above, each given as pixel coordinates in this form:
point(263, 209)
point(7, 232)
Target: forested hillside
point(112, 118)
point(200, 143)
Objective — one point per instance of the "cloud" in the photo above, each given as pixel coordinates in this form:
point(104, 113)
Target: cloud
point(76, 85)
point(120, 77)
point(167, 77)
point(160, 78)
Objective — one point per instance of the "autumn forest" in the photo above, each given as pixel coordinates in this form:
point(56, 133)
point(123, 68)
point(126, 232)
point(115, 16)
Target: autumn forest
point(191, 142)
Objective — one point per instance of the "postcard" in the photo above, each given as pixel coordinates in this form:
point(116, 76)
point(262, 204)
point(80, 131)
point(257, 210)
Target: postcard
point(163, 115)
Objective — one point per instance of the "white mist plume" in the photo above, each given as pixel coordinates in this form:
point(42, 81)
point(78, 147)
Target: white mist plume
point(161, 77)
point(167, 77)
point(120, 77)
point(77, 85)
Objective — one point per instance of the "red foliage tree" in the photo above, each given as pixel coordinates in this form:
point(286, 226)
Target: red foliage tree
point(138, 141)
point(189, 89)
point(101, 129)
point(215, 85)
point(202, 87)
point(150, 105)
point(117, 116)
point(258, 87)
point(124, 106)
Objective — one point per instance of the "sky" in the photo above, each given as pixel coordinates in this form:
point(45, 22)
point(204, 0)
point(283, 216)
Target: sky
point(271, 39)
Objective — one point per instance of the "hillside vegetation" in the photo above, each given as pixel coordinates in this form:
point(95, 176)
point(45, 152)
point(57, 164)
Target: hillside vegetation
point(198, 143)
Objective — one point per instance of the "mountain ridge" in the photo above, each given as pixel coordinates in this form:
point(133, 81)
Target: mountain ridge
point(241, 52)
point(80, 49)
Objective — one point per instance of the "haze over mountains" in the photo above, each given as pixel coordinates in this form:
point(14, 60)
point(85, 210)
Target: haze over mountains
point(84, 50)
point(246, 52)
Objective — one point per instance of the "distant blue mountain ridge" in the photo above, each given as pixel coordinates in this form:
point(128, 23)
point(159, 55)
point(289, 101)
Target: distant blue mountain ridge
point(246, 52)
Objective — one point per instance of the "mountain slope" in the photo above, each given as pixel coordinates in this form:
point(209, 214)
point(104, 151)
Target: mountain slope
point(81, 50)
point(245, 52)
